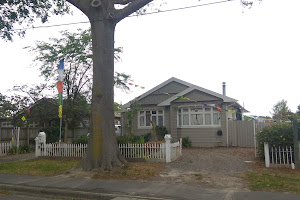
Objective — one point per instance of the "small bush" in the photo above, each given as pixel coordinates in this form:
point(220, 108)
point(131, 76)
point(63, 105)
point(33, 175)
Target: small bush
point(21, 150)
point(276, 135)
point(161, 131)
point(186, 142)
point(123, 139)
point(147, 137)
point(131, 139)
point(82, 139)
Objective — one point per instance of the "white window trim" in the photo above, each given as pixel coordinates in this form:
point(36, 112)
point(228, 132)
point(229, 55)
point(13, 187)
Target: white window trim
point(189, 107)
point(150, 127)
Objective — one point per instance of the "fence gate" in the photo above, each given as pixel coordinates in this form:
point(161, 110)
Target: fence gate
point(242, 133)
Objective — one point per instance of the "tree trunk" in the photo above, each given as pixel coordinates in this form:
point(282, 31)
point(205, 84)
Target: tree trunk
point(103, 152)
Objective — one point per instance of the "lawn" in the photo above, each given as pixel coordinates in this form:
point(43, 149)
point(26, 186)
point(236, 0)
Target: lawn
point(38, 167)
point(46, 167)
point(274, 179)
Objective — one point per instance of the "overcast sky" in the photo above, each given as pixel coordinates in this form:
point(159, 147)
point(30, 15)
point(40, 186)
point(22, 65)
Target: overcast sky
point(256, 52)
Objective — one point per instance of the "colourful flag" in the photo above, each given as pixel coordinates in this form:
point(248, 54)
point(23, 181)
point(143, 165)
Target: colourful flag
point(61, 64)
point(60, 111)
point(59, 86)
point(23, 118)
point(28, 111)
point(219, 109)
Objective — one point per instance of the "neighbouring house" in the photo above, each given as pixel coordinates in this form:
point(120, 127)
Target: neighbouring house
point(186, 110)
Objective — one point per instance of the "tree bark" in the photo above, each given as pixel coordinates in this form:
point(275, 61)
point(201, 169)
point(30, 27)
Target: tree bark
point(103, 152)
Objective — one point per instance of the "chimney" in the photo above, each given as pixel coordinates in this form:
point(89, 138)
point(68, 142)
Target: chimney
point(224, 88)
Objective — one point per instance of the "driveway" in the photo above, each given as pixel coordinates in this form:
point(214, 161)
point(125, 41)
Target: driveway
point(219, 167)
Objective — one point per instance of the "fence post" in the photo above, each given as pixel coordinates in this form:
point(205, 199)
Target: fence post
point(296, 144)
point(180, 146)
point(37, 147)
point(267, 154)
point(168, 147)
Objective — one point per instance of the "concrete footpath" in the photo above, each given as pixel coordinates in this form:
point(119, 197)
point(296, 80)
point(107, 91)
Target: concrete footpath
point(116, 190)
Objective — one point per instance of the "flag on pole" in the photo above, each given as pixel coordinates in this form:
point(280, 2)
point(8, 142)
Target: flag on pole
point(60, 86)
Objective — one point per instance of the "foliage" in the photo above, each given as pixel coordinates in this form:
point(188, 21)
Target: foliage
point(186, 142)
point(76, 48)
point(82, 139)
point(135, 107)
point(161, 131)
point(25, 12)
point(21, 150)
point(279, 134)
point(281, 111)
point(147, 137)
point(134, 139)
point(52, 134)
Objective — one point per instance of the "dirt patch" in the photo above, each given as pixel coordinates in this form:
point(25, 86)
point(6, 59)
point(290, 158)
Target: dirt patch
point(219, 167)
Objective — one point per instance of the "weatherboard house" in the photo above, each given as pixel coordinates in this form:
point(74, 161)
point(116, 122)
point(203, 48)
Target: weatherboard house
point(186, 110)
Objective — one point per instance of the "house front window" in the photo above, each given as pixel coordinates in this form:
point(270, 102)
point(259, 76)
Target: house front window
point(146, 116)
point(198, 116)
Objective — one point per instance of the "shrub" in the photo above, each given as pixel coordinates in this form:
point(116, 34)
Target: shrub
point(186, 142)
point(123, 139)
point(147, 137)
point(82, 139)
point(161, 131)
point(276, 135)
point(130, 139)
point(21, 150)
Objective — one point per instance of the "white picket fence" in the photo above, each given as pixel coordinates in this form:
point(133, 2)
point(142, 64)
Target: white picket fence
point(161, 151)
point(4, 148)
point(153, 151)
point(278, 156)
point(63, 150)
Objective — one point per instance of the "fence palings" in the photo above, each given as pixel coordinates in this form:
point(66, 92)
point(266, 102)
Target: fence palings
point(4, 148)
point(64, 150)
point(281, 156)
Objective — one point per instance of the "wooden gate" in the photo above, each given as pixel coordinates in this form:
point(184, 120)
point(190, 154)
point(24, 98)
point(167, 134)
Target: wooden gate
point(242, 133)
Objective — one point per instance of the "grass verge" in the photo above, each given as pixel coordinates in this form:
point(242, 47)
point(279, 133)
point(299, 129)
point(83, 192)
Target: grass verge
point(132, 171)
point(38, 167)
point(280, 180)
point(46, 167)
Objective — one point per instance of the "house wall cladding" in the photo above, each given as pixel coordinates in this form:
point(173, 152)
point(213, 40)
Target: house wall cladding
point(200, 96)
point(159, 95)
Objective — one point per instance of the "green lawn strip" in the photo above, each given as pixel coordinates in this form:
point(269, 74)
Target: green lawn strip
point(273, 182)
point(38, 167)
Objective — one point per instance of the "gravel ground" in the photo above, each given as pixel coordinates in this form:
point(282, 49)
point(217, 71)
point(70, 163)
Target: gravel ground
point(219, 167)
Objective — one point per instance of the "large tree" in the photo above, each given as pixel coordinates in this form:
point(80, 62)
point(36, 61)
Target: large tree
point(281, 111)
point(103, 152)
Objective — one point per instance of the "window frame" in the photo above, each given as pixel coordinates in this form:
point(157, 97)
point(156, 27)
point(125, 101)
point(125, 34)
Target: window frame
point(156, 115)
point(202, 111)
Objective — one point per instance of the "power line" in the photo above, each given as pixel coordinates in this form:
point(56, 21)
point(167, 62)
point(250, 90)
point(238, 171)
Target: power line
point(150, 13)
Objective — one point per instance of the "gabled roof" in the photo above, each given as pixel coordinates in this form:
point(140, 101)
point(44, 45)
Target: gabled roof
point(190, 88)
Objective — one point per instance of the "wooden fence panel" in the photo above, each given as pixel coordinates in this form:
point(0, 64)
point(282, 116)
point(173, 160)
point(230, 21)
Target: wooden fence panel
point(242, 133)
